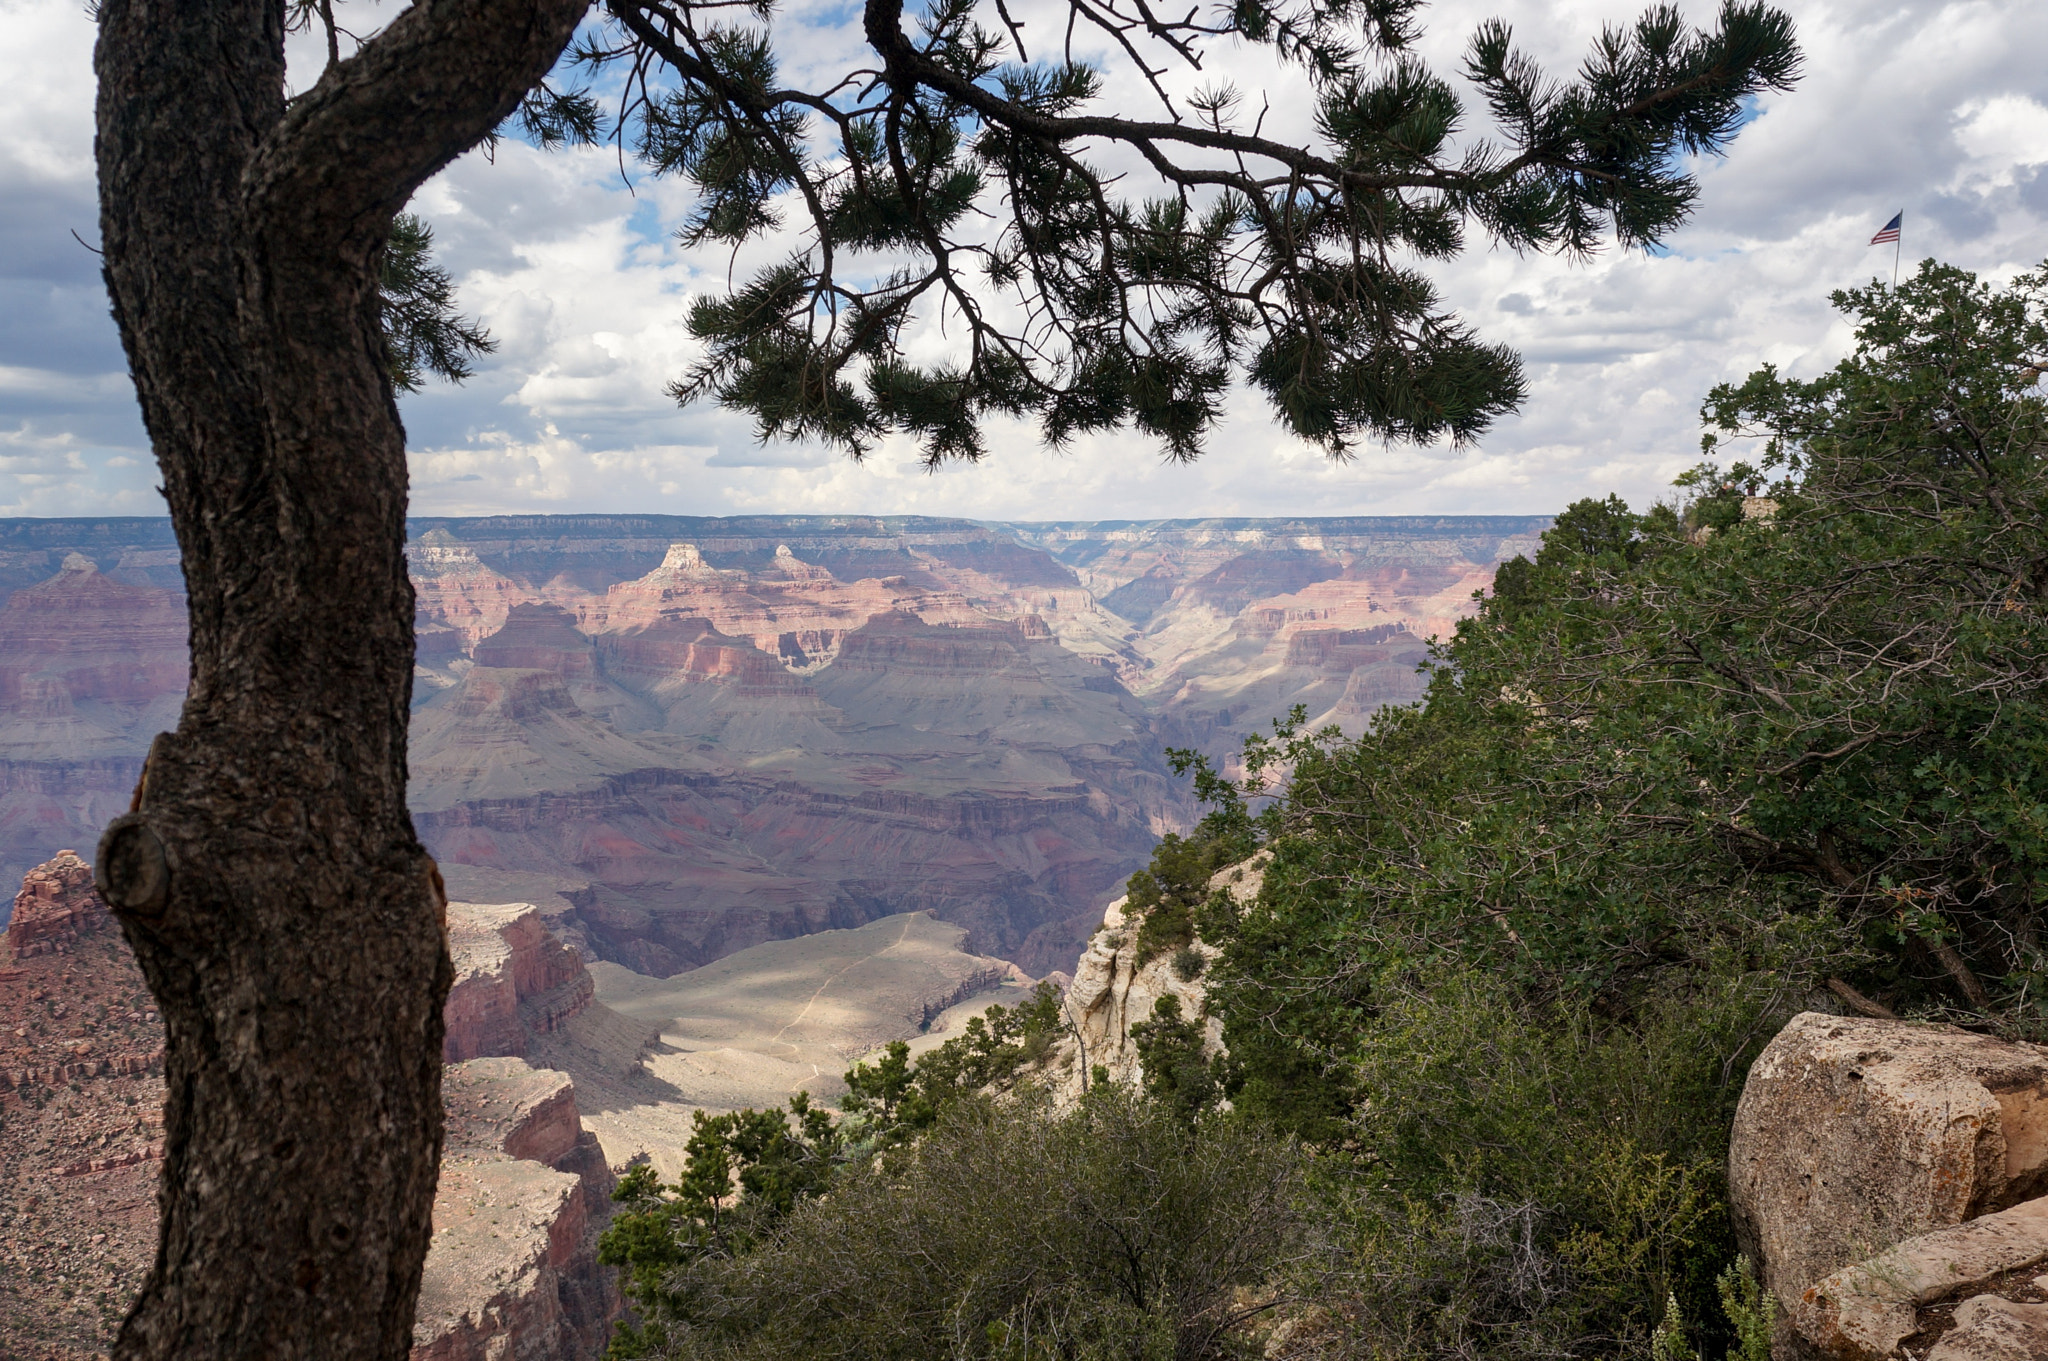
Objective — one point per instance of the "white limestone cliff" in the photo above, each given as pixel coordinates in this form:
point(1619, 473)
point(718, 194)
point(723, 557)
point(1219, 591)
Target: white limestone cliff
point(1113, 990)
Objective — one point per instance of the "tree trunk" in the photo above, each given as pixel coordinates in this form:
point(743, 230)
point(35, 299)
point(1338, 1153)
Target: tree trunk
point(286, 917)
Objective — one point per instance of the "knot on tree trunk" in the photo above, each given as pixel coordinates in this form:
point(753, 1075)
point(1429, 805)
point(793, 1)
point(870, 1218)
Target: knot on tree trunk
point(131, 870)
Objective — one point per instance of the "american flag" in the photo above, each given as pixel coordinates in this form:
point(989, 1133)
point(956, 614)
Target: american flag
point(1889, 232)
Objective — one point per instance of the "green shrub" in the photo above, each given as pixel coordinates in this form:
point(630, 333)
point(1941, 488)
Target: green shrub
point(1115, 1232)
point(1177, 1071)
point(890, 1101)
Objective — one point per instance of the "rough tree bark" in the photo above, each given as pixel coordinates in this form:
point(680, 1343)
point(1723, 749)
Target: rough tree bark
point(286, 917)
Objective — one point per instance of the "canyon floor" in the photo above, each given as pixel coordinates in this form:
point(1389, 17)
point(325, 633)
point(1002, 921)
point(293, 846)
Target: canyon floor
point(757, 1026)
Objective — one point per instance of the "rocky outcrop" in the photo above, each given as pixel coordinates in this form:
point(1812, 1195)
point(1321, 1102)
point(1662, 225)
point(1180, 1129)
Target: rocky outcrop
point(1114, 988)
point(1880, 1168)
point(514, 981)
point(56, 908)
point(459, 601)
point(1988, 1328)
point(524, 1191)
point(1853, 1135)
point(524, 1194)
point(1863, 1312)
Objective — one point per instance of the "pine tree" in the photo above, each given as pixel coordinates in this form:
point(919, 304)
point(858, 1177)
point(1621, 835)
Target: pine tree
point(1098, 270)
point(268, 875)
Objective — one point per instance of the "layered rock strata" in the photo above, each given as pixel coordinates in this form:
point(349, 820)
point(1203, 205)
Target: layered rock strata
point(91, 668)
point(716, 798)
point(514, 981)
point(1116, 987)
point(524, 1190)
point(715, 732)
point(1880, 1171)
point(1237, 622)
point(523, 1195)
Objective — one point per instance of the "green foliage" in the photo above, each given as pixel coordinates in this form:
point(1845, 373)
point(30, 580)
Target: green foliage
point(963, 186)
point(1602, 1147)
point(422, 333)
point(1774, 746)
point(1167, 897)
point(745, 1172)
point(1177, 1072)
point(1751, 1309)
point(1115, 1232)
point(892, 1101)
point(1162, 898)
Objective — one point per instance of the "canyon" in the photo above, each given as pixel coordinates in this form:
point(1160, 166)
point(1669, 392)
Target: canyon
point(688, 736)
point(722, 806)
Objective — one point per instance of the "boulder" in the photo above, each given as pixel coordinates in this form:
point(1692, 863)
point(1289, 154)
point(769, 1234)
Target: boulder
point(1863, 1312)
point(1854, 1135)
point(1991, 1329)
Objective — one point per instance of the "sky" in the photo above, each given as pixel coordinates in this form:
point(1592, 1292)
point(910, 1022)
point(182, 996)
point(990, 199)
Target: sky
point(1939, 110)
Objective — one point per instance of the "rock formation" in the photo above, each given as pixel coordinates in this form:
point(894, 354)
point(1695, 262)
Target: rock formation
point(91, 668)
point(524, 1189)
point(524, 1194)
point(716, 732)
point(1881, 1171)
point(1114, 988)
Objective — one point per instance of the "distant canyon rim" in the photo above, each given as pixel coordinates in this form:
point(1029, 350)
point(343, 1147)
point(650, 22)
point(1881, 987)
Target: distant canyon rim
point(682, 737)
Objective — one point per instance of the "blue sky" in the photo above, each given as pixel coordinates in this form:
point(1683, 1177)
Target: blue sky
point(1939, 109)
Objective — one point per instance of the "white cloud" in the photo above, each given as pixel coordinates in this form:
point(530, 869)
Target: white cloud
point(2003, 137)
point(1937, 108)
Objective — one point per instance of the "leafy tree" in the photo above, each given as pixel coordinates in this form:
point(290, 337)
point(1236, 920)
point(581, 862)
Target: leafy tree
point(268, 877)
point(1170, 1049)
point(892, 1101)
point(745, 1172)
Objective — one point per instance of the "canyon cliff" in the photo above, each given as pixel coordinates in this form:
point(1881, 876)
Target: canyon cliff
point(524, 1191)
point(686, 736)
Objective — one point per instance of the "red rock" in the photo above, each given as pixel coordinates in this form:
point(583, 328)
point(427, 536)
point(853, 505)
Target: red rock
point(57, 905)
point(78, 1167)
point(523, 1195)
point(539, 637)
point(82, 636)
point(513, 980)
point(455, 593)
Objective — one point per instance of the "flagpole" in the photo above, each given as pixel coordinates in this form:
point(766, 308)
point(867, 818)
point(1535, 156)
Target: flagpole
point(1898, 244)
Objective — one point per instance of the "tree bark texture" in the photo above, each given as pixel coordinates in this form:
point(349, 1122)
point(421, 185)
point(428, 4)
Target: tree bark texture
point(286, 917)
